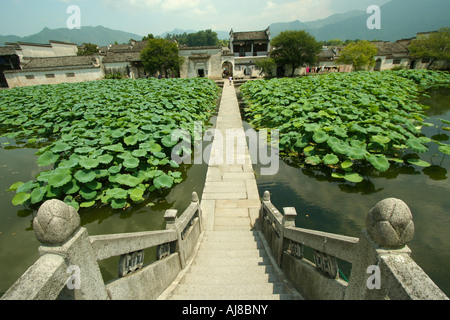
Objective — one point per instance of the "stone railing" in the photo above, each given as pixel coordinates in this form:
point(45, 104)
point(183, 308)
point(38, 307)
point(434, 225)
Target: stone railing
point(382, 267)
point(68, 267)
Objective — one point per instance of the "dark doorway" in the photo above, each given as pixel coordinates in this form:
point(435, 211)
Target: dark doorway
point(413, 64)
point(201, 73)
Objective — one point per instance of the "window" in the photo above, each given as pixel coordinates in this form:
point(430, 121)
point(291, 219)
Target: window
point(397, 61)
point(70, 75)
point(29, 77)
point(50, 75)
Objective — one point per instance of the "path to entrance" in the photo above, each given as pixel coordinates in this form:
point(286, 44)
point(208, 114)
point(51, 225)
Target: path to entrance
point(231, 262)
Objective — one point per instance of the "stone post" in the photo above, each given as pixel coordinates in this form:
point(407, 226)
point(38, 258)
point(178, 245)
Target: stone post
point(171, 224)
point(389, 227)
point(196, 200)
point(288, 221)
point(57, 227)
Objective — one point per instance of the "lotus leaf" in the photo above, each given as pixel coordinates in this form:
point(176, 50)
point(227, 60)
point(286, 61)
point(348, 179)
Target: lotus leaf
point(117, 193)
point(59, 178)
point(89, 163)
point(419, 163)
point(20, 198)
point(85, 176)
point(47, 159)
point(330, 159)
point(163, 181)
point(131, 163)
point(353, 177)
point(38, 194)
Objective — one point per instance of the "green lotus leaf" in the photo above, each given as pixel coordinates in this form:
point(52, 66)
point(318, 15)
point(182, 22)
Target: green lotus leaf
point(94, 185)
point(115, 169)
point(320, 136)
point(136, 194)
point(163, 181)
point(445, 149)
point(21, 198)
point(338, 175)
point(89, 163)
point(330, 159)
point(131, 163)
point(117, 134)
point(346, 164)
point(416, 145)
point(59, 178)
point(419, 163)
point(84, 150)
point(115, 148)
point(119, 204)
point(128, 180)
point(169, 141)
point(68, 164)
point(85, 176)
point(87, 204)
point(87, 193)
point(71, 202)
point(117, 193)
point(131, 140)
point(313, 160)
point(378, 162)
point(338, 146)
point(381, 139)
point(139, 153)
point(53, 192)
point(160, 155)
point(353, 177)
point(105, 159)
point(60, 147)
point(311, 127)
point(14, 186)
point(356, 153)
point(47, 159)
point(38, 195)
point(340, 132)
point(71, 187)
point(25, 187)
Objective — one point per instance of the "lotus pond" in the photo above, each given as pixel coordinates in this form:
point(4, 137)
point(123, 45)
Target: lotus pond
point(332, 185)
point(102, 147)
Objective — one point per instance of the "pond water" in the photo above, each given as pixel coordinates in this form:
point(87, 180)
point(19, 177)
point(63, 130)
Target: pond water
point(341, 207)
point(321, 204)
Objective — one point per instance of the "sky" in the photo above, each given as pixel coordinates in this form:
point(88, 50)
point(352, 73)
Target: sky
point(27, 17)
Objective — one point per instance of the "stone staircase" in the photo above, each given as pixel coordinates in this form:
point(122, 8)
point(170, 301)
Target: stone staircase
point(231, 265)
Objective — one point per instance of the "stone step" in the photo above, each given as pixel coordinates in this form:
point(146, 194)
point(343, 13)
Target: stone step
point(234, 236)
point(224, 297)
point(231, 262)
point(229, 289)
point(229, 278)
point(233, 227)
point(231, 254)
point(226, 271)
point(225, 245)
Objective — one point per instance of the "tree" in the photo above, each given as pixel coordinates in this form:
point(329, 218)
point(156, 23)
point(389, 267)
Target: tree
point(161, 56)
point(360, 54)
point(267, 66)
point(87, 49)
point(435, 46)
point(198, 39)
point(294, 48)
point(148, 37)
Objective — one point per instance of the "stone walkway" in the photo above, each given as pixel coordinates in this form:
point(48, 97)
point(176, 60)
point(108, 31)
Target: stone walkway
point(231, 262)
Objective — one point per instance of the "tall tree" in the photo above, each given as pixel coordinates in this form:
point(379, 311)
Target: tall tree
point(435, 46)
point(161, 56)
point(294, 48)
point(359, 54)
point(87, 49)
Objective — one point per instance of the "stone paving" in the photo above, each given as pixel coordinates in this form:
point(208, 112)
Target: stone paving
point(231, 262)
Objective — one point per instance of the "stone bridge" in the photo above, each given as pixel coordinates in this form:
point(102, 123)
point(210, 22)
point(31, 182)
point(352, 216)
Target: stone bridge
point(231, 245)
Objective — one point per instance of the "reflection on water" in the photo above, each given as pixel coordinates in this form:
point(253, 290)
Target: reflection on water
point(330, 205)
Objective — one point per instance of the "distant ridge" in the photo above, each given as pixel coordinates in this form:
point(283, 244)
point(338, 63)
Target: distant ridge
point(99, 35)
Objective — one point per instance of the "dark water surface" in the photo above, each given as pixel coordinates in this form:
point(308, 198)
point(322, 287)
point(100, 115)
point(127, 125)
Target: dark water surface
point(341, 207)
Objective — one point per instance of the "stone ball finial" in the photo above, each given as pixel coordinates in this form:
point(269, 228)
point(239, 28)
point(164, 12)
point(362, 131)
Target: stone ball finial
point(55, 222)
point(390, 223)
point(266, 196)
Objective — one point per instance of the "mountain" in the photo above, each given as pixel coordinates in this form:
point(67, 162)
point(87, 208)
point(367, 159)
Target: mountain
point(98, 35)
point(399, 19)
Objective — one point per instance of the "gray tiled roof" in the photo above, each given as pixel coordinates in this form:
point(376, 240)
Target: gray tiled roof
point(122, 56)
point(7, 51)
point(60, 62)
point(390, 48)
point(250, 35)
